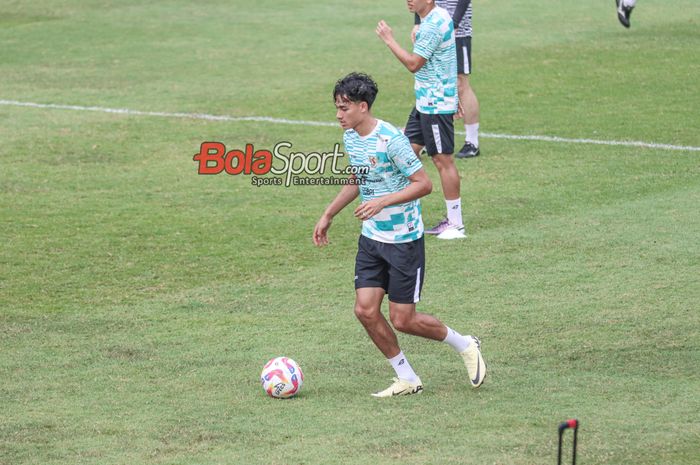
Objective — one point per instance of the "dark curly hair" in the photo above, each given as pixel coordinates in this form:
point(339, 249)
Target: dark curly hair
point(356, 87)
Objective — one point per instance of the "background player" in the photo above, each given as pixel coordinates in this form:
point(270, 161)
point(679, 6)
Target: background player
point(461, 11)
point(430, 124)
point(624, 10)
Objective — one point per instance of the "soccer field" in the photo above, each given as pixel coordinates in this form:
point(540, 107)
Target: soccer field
point(139, 300)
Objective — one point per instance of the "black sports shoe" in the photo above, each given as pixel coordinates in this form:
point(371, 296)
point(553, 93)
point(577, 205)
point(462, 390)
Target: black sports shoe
point(469, 150)
point(623, 13)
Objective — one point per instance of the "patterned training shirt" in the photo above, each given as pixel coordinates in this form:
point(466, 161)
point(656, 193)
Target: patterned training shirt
point(436, 82)
point(390, 160)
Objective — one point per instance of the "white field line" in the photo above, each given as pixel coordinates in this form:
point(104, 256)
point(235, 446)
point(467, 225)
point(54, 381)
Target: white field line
point(267, 119)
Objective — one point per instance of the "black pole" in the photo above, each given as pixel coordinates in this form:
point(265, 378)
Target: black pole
point(561, 430)
point(575, 434)
point(573, 424)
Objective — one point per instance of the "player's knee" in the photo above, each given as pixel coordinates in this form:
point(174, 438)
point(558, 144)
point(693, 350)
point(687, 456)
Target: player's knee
point(364, 313)
point(401, 322)
point(444, 162)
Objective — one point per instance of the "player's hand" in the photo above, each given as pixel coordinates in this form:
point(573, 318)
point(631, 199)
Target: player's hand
point(414, 31)
point(320, 236)
point(367, 210)
point(384, 31)
point(460, 110)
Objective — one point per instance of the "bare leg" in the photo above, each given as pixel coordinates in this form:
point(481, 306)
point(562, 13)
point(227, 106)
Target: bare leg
point(368, 302)
point(406, 319)
point(467, 97)
point(449, 177)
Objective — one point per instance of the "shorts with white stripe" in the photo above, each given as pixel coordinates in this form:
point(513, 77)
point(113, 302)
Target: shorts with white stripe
point(464, 55)
point(435, 132)
point(399, 269)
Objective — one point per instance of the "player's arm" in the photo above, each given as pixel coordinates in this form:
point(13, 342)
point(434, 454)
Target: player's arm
point(346, 195)
point(411, 61)
point(419, 186)
point(403, 158)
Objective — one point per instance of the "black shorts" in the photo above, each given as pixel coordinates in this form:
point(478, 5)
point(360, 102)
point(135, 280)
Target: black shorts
point(464, 55)
point(399, 269)
point(435, 132)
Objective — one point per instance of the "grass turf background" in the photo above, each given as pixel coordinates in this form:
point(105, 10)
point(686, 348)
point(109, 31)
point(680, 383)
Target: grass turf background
point(140, 301)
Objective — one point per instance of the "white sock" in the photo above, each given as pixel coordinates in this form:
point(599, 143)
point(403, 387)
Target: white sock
point(403, 369)
point(454, 211)
point(458, 342)
point(472, 133)
point(630, 3)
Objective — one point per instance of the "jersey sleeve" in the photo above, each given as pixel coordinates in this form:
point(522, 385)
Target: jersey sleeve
point(428, 40)
point(460, 10)
point(402, 156)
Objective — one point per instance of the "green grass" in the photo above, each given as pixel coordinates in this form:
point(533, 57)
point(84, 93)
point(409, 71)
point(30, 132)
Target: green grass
point(139, 301)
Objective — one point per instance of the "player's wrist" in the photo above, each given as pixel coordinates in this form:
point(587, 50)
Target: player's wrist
point(391, 42)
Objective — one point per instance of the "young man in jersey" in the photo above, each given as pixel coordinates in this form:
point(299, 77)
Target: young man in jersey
point(390, 257)
point(461, 11)
point(624, 10)
point(430, 124)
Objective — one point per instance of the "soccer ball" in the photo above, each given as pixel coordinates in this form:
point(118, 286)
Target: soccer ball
point(281, 377)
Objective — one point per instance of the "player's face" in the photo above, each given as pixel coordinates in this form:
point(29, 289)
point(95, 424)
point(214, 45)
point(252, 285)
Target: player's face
point(416, 5)
point(349, 114)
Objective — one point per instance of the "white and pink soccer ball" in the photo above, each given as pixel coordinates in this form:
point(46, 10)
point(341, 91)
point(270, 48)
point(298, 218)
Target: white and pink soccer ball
point(281, 377)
